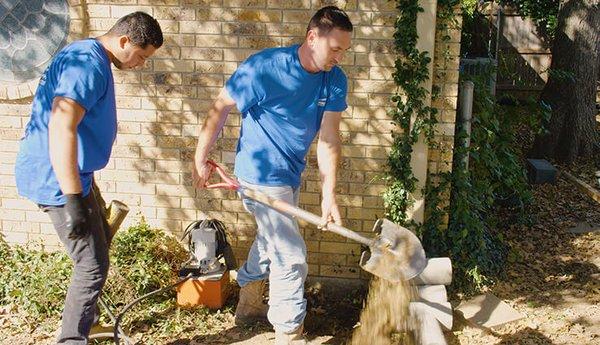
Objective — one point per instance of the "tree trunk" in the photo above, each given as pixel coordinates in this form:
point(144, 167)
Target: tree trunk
point(572, 84)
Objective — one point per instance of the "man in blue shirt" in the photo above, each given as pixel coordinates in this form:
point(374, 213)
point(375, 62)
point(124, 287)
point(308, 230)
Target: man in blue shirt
point(286, 96)
point(70, 135)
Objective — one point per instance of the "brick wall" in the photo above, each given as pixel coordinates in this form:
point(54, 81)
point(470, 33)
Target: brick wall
point(161, 106)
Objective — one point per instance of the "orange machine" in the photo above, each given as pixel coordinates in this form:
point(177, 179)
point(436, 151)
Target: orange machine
point(208, 290)
point(206, 278)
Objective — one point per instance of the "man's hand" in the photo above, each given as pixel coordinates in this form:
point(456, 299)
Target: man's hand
point(78, 217)
point(201, 173)
point(330, 210)
point(208, 135)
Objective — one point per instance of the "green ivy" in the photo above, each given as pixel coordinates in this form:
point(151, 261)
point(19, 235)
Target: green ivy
point(494, 179)
point(411, 72)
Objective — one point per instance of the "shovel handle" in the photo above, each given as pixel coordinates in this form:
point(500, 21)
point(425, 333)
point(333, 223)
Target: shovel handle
point(283, 207)
point(312, 218)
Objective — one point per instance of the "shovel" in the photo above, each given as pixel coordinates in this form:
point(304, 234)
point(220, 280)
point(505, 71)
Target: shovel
point(394, 253)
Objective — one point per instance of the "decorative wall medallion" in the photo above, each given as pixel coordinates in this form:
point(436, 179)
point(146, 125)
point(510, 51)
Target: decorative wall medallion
point(31, 32)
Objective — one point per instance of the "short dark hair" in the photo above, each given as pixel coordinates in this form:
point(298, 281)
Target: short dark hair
point(329, 18)
point(141, 28)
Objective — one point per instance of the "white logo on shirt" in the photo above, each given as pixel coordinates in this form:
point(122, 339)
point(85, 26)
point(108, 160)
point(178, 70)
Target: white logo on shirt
point(321, 102)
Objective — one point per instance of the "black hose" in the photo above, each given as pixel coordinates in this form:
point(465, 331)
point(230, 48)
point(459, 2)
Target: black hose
point(135, 301)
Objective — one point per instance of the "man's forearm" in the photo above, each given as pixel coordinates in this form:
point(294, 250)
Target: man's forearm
point(211, 128)
point(328, 156)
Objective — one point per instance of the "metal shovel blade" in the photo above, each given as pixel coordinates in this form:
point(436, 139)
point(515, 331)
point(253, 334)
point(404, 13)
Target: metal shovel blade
point(398, 254)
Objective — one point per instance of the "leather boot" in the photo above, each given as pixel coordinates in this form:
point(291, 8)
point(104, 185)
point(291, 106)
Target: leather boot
point(294, 338)
point(251, 307)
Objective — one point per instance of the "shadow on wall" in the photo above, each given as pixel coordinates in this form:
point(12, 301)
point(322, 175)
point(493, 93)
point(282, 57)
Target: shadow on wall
point(173, 92)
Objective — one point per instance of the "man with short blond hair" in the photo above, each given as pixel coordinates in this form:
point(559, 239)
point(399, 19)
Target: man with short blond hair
point(286, 96)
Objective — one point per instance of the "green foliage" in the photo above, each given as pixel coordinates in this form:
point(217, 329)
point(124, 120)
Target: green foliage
point(495, 178)
point(411, 116)
point(143, 259)
point(34, 282)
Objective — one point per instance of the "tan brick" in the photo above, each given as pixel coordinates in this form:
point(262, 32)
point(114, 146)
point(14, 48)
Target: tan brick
point(216, 41)
point(160, 153)
point(11, 134)
point(370, 113)
point(295, 16)
point(128, 103)
point(161, 103)
point(366, 189)
point(212, 204)
point(244, 28)
point(15, 237)
point(237, 55)
point(339, 271)
point(326, 259)
point(120, 11)
point(99, 24)
point(173, 91)
point(161, 128)
point(203, 79)
point(162, 78)
point(134, 164)
point(18, 204)
point(137, 188)
point(129, 128)
point(115, 175)
point(98, 11)
point(177, 117)
point(202, 54)
point(339, 247)
point(374, 59)
point(175, 190)
point(173, 66)
point(259, 42)
point(196, 27)
point(184, 40)
point(176, 213)
point(33, 217)
point(384, 18)
point(174, 12)
point(11, 214)
point(285, 4)
point(264, 16)
point(10, 147)
point(286, 29)
point(244, 3)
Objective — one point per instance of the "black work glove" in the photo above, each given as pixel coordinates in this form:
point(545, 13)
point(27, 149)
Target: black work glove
point(78, 217)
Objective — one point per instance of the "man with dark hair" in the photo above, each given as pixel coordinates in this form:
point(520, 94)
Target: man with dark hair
point(286, 96)
point(70, 135)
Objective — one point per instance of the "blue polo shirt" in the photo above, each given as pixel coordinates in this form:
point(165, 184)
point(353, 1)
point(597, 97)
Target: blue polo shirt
point(80, 71)
point(282, 107)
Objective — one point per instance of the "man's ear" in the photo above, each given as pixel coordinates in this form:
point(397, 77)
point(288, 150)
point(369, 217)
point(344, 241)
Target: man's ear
point(123, 41)
point(311, 37)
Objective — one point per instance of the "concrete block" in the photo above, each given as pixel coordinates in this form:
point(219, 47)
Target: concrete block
point(487, 311)
point(437, 272)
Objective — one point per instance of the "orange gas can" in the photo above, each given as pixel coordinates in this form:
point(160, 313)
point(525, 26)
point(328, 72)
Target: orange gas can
point(210, 291)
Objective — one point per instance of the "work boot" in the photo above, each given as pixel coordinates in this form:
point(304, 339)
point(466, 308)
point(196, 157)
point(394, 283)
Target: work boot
point(99, 331)
point(251, 307)
point(294, 338)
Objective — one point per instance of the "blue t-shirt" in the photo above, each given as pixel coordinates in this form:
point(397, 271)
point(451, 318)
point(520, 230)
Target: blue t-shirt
point(80, 71)
point(282, 107)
